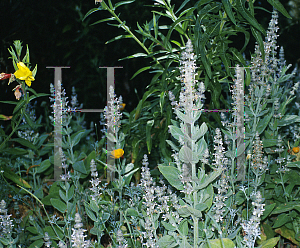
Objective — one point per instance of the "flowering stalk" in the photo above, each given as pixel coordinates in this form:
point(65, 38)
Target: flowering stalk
point(251, 227)
point(190, 136)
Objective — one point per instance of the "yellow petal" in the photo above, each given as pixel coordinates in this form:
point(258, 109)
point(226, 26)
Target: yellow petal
point(23, 73)
point(117, 153)
point(28, 82)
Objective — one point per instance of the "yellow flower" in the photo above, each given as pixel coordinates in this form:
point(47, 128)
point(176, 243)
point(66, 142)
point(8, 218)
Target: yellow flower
point(117, 153)
point(296, 149)
point(122, 106)
point(23, 73)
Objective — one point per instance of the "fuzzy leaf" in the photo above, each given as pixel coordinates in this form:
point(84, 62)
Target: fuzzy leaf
point(172, 175)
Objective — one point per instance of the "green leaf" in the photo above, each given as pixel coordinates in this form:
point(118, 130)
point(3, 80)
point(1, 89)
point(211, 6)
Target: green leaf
point(204, 60)
point(287, 233)
point(37, 243)
point(174, 147)
point(182, 6)
point(36, 95)
point(288, 120)
point(268, 209)
point(277, 5)
point(90, 213)
point(59, 205)
point(168, 226)
point(269, 142)
point(123, 2)
point(131, 212)
point(294, 164)
point(262, 124)
point(80, 167)
point(185, 118)
point(172, 175)
point(281, 220)
point(25, 142)
point(137, 55)
point(71, 193)
point(75, 137)
point(195, 212)
point(184, 212)
point(247, 15)
point(91, 12)
point(140, 71)
point(44, 166)
point(176, 132)
point(29, 121)
point(186, 155)
point(270, 243)
point(9, 102)
point(15, 151)
point(285, 207)
point(217, 243)
point(19, 106)
point(7, 173)
point(183, 227)
point(210, 178)
point(166, 241)
point(93, 205)
point(228, 8)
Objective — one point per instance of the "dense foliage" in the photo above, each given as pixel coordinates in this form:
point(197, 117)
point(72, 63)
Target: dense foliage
point(210, 179)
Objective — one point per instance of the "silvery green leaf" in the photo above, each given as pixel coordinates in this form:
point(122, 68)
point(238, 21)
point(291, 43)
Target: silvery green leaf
point(201, 147)
point(184, 212)
point(195, 134)
point(187, 156)
point(168, 226)
point(198, 132)
point(166, 241)
point(176, 132)
point(111, 137)
point(258, 92)
point(130, 173)
point(229, 135)
point(183, 227)
point(197, 114)
point(175, 123)
point(240, 150)
point(201, 207)
point(121, 136)
point(248, 111)
point(195, 212)
point(201, 174)
point(183, 117)
point(285, 78)
point(185, 244)
point(209, 179)
point(172, 175)
point(203, 129)
point(94, 206)
point(129, 167)
point(75, 137)
point(230, 154)
point(174, 147)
